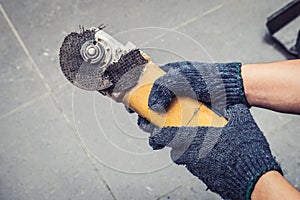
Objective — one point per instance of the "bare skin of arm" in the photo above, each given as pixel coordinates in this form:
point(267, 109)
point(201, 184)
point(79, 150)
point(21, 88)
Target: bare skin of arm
point(274, 86)
point(272, 185)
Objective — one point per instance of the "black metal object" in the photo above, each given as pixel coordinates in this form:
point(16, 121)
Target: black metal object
point(284, 25)
point(298, 44)
point(283, 16)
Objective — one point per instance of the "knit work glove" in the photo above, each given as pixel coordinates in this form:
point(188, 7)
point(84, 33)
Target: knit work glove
point(217, 85)
point(229, 160)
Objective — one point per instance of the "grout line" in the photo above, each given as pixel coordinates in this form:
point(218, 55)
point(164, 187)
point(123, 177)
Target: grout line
point(213, 9)
point(60, 109)
point(186, 23)
point(69, 123)
point(19, 39)
point(24, 105)
point(30, 102)
point(106, 185)
point(176, 188)
point(15, 32)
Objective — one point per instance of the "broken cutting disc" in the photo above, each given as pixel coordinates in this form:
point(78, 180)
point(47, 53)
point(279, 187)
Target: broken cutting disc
point(82, 60)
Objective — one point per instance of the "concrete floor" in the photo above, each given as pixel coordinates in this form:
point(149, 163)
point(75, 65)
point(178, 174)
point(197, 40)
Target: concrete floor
point(59, 142)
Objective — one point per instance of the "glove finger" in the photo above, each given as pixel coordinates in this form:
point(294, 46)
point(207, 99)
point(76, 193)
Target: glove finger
point(165, 88)
point(145, 125)
point(166, 67)
point(174, 65)
point(160, 96)
point(174, 137)
point(161, 137)
point(128, 109)
point(188, 143)
point(198, 145)
point(239, 113)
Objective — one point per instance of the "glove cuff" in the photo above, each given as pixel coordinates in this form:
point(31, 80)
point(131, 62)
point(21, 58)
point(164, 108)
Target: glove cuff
point(242, 89)
point(269, 165)
point(254, 165)
point(233, 83)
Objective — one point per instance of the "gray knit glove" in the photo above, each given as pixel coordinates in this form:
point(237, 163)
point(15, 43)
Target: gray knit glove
point(217, 85)
point(228, 160)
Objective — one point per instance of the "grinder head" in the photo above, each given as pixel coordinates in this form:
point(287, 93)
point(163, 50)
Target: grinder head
point(86, 56)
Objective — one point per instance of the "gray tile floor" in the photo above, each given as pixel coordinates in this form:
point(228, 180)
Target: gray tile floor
point(59, 142)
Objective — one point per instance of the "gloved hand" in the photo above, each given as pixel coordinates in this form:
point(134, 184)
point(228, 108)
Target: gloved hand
point(228, 160)
point(217, 85)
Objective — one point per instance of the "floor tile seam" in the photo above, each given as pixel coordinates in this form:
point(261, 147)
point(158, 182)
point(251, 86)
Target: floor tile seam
point(23, 46)
point(175, 188)
point(25, 105)
point(29, 103)
point(187, 22)
point(71, 126)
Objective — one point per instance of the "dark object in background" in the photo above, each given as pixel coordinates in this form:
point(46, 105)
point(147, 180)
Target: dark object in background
point(298, 44)
point(284, 25)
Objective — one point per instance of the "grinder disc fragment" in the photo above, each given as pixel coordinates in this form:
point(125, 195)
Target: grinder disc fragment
point(85, 75)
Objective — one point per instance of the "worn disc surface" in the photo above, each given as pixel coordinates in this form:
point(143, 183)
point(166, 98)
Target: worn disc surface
point(84, 75)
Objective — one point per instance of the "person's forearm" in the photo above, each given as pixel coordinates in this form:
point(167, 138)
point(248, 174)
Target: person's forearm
point(272, 185)
point(274, 86)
